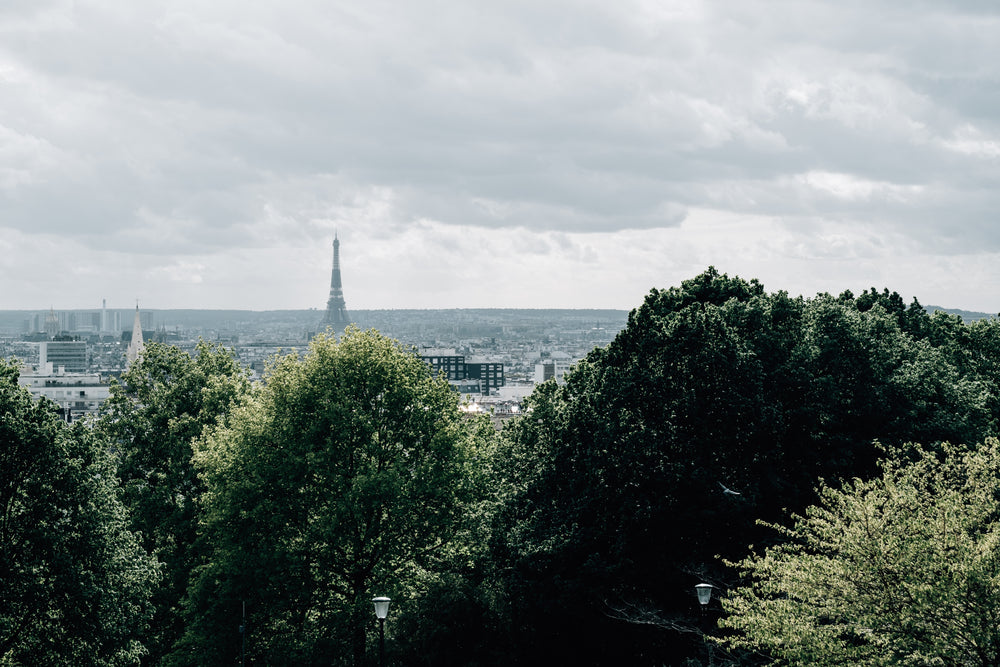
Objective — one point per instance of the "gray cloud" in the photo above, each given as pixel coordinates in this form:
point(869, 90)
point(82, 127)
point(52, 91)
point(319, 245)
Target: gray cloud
point(186, 130)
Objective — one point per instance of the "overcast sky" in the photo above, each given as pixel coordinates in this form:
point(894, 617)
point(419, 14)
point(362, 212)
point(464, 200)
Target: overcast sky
point(535, 153)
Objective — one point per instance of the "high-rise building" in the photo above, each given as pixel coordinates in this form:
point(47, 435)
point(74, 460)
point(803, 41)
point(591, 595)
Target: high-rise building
point(64, 355)
point(336, 310)
point(545, 371)
point(111, 320)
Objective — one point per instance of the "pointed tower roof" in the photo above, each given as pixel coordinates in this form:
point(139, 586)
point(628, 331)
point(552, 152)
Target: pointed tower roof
point(136, 346)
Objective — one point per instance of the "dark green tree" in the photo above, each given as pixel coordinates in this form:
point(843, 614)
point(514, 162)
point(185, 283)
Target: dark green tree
point(983, 355)
point(718, 404)
point(612, 480)
point(74, 582)
point(898, 570)
point(159, 408)
point(346, 474)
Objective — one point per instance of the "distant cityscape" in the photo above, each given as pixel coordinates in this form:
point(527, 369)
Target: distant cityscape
point(494, 357)
point(84, 349)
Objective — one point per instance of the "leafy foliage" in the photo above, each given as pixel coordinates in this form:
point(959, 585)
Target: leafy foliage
point(717, 405)
point(345, 475)
point(901, 569)
point(574, 539)
point(74, 581)
point(161, 406)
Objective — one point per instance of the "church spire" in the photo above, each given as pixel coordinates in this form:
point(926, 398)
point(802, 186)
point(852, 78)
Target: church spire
point(336, 310)
point(136, 346)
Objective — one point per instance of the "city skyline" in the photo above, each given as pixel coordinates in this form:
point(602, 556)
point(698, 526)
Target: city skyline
point(539, 155)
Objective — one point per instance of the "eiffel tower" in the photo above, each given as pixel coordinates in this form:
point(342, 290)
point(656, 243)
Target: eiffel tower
point(336, 310)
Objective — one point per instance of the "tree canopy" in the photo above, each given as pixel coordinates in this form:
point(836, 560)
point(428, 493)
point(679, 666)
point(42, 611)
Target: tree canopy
point(901, 569)
point(575, 536)
point(340, 477)
point(74, 581)
point(718, 404)
point(155, 412)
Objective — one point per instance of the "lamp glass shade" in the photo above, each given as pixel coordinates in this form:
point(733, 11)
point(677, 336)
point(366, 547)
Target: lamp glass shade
point(704, 592)
point(381, 607)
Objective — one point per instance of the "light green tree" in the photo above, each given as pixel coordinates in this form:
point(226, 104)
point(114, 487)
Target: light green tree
point(346, 474)
point(900, 570)
point(74, 582)
point(158, 409)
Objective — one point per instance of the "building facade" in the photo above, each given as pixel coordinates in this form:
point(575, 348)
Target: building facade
point(70, 356)
point(467, 377)
point(76, 394)
point(489, 374)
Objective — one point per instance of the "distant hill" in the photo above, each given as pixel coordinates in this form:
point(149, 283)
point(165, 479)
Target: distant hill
point(966, 315)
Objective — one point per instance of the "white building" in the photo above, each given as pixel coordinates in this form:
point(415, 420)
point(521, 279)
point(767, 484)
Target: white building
point(77, 394)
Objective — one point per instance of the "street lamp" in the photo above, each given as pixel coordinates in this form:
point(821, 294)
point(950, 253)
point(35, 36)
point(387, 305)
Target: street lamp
point(243, 637)
point(704, 594)
point(381, 611)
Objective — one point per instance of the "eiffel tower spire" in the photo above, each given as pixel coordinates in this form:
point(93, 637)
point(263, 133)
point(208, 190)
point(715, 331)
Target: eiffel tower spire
point(336, 310)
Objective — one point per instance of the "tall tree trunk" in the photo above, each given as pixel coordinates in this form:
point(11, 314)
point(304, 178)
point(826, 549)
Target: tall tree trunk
point(359, 619)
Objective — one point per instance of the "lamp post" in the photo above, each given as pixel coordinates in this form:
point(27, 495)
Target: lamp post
point(704, 594)
point(243, 637)
point(381, 611)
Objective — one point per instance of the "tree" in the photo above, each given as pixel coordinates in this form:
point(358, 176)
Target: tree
point(615, 477)
point(901, 569)
point(154, 414)
point(344, 475)
point(718, 404)
point(74, 581)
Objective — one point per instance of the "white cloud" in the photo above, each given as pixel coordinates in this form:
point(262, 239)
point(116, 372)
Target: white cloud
point(179, 272)
point(851, 188)
point(969, 140)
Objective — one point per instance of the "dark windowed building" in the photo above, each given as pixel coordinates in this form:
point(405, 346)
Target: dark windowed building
point(464, 375)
